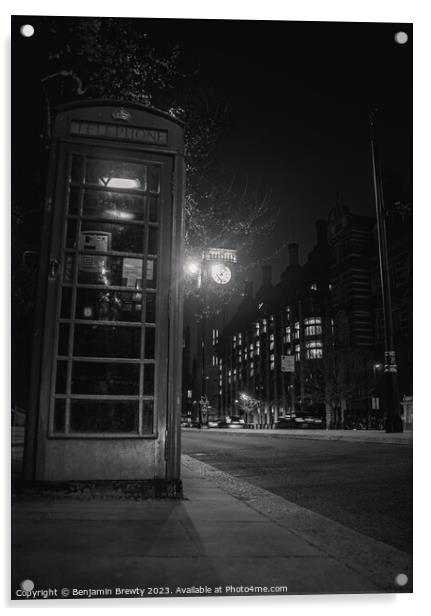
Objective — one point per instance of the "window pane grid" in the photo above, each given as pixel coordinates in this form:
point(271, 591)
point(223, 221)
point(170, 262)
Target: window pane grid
point(123, 212)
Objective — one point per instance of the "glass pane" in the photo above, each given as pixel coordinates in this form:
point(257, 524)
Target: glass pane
point(115, 205)
point(152, 240)
point(66, 302)
point(77, 168)
point(154, 179)
point(91, 416)
point(116, 174)
point(150, 337)
point(71, 234)
point(69, 262)
point(59, 416)
point(74, 201)
point(99, 305)
point(154, 209)
point(107, 341)
point(105, 379)
point(151, 273)
point(61, 377)
point(99, 236)
point(150, 315)
point(149, 380)
point(147, 417)
point(110, 271)
point(63, 339)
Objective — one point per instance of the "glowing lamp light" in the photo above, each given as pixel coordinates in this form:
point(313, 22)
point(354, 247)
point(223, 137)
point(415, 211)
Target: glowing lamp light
point(120, 183)
point(120, 215)
point(192, 268)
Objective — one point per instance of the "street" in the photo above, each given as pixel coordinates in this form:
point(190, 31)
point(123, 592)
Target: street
point(365, 486)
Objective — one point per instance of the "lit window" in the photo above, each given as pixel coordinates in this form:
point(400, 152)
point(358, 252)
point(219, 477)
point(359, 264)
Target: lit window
point(297, 352)
point(314, 349)
point(296, 335)
point(313, 326)
point(286, 338)
point(313, 286)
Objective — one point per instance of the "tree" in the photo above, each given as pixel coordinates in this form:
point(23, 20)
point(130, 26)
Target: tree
point(112, 58)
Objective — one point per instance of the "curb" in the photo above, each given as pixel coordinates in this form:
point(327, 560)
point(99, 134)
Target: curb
point(374, 560)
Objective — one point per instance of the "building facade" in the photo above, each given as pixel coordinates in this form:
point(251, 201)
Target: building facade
point(327, 316)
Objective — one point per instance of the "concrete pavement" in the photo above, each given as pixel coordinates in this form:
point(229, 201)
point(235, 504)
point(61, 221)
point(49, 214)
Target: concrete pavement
point(226, 536)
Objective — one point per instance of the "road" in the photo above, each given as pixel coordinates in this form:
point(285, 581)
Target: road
point(365, 486)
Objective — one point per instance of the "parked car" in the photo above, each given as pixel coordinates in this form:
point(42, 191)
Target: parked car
point(299, 423)
point(213, 423)
point(233, 422)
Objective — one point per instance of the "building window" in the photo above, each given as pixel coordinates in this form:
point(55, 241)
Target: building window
point(314, 349)
point(257, 350)
point(313, 326)
point(257, 328)
point(296, 334)
point(313, 286)
point(264, 323)
point(297, 352)
point(271, 343)
point(286, 337)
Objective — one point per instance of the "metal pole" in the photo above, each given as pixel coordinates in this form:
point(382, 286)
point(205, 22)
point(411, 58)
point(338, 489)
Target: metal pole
point(391, 397)
point(301, 357)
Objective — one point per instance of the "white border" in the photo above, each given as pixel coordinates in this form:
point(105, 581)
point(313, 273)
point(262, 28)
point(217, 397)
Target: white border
point(312, 10)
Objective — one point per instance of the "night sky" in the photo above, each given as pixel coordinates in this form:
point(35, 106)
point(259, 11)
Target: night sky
point(299, 96)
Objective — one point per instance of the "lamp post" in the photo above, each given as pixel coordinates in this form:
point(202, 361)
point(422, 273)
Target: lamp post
point(390, 391)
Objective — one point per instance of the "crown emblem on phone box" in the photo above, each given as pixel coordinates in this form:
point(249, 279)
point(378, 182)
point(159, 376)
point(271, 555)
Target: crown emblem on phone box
point(121, 114)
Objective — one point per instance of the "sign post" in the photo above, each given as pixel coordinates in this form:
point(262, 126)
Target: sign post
point(288, 366)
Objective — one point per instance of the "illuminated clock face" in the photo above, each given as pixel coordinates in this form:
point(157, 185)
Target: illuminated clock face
point(220, 273)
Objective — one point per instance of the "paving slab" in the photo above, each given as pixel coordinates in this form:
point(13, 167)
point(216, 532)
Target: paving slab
point(219, 535)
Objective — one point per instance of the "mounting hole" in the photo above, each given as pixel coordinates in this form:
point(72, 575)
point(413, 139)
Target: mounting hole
point(401, 579)
point(401, 38)
point(27, 585)
point(27, 30)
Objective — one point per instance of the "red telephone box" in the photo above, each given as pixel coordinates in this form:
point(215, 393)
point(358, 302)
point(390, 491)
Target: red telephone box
point(107, 358)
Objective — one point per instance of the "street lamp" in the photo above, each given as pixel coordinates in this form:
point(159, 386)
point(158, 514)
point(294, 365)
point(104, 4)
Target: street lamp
point(192, 267)
point(391, 396)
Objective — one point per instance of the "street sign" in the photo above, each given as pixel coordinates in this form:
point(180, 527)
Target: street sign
point(288, 363)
